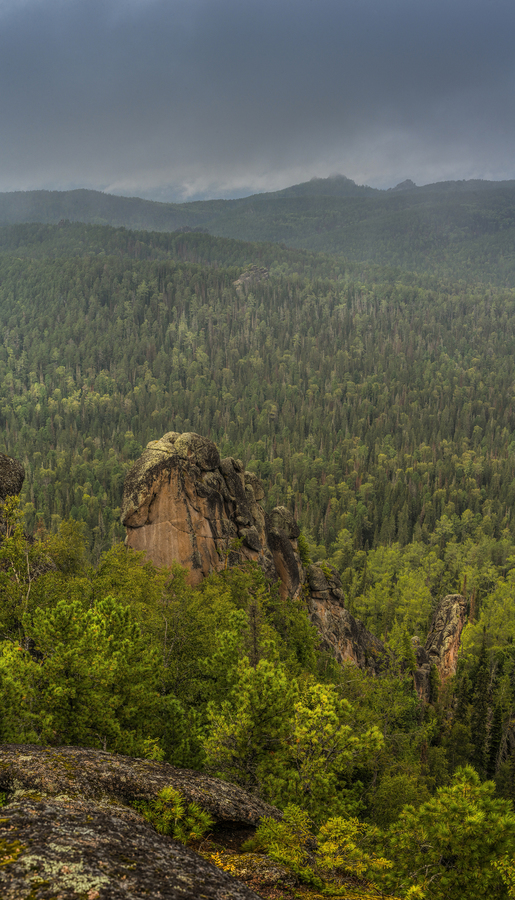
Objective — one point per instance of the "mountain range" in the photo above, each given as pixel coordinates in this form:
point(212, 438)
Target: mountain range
point(461, 229)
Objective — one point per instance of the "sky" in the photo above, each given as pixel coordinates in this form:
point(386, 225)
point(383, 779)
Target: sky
point(186, 99)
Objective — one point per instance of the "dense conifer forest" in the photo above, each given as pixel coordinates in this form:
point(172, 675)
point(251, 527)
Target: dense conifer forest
point(378, 404)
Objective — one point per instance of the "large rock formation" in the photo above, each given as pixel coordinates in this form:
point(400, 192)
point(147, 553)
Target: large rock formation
point(67, 830)
point(12, 476)
point(182, 503)
point(442, 643)
point(344, 636)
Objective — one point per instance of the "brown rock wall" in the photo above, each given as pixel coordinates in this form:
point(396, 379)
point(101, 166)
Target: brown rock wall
point(345, 637)
point(184, 504)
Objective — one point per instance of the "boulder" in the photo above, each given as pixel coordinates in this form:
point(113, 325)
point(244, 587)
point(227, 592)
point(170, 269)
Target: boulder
point(38, 772)
point(68, 830)
point(12, 476)
point(74, 849)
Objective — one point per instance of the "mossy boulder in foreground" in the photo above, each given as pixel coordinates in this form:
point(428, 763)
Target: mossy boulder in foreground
point(73, 849)
point(68, 830)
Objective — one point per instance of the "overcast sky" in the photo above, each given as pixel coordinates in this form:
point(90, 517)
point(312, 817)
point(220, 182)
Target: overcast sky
point(188, 98)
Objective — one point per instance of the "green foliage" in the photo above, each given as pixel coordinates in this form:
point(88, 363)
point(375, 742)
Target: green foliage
point(447, 846)
point(335, 856)
point(304, 550)
point(367, 446)
point(506, 869)
point(247, 730)
point(287, 842)
point(315, 767)
point(170, 814)
point(395, 791)
point(292, 742)
point(90, 680)
point(19, 562)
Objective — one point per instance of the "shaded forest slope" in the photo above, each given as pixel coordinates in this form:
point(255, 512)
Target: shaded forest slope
point(460, 229)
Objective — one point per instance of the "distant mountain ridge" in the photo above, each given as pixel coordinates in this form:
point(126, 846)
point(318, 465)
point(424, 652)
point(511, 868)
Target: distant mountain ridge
point(463, 228)
point(97, 207)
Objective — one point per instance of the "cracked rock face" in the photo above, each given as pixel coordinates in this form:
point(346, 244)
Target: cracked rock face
point(345, 637)
point(443, 642)
point(182, 503)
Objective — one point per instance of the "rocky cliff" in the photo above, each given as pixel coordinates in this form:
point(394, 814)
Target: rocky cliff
point(442, 643)
point(182, 503)
point(344, 636)
point(68, 829)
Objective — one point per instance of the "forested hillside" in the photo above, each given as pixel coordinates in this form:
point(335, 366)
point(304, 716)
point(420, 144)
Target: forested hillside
point(378, 405)
point(452, 229)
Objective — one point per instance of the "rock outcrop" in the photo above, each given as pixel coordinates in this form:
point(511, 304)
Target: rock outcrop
point(76, 772)
point(182, 503)
point(12, 476)
point(74, 849)
point(344, 636)
point(250, 276)
point(67, 829)
point(442, 644)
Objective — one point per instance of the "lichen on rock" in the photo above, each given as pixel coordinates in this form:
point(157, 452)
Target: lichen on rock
point(76, 849)
point(37, 772)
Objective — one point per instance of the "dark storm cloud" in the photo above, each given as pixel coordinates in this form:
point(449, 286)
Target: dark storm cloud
point(220, 95)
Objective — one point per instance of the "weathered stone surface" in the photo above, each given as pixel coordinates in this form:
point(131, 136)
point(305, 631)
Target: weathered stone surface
point(12, 476)
point(182, 503)
point(252, 480)
point(198, 449)
point(286, 561)
point(442, 645)
point(317, 579)
point(345, 637)
point(70, 849)
point(74, 772)
point(281, 519)
point(250, 276)
point(421, 675)
point(443, 639)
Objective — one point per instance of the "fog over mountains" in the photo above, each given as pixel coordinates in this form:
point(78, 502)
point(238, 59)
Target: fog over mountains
point(456, 228)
